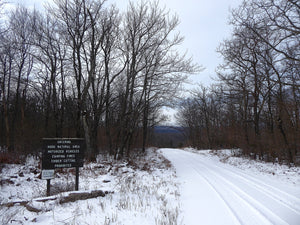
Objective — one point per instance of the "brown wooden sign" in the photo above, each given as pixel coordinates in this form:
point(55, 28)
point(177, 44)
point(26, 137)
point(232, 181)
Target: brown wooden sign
point(62, 153)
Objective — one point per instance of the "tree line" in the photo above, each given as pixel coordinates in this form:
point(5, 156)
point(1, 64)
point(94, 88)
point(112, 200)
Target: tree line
point(255, 104)
point(82, 68)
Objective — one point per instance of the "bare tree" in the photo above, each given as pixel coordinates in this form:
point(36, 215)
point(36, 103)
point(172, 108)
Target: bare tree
point(19, 34)
point(80, 24)
point(256, 103)
point(49, 54)
point(264, 42)
point(6, 59)
point(154, 69)
point(84, 72)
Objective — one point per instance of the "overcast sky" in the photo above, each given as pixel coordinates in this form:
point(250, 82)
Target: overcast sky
point(203, 23)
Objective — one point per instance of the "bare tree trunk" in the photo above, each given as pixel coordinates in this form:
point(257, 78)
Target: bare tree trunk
point(90, 155)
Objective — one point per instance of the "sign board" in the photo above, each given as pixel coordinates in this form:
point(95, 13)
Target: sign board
point(47, 174)
point(62, 153)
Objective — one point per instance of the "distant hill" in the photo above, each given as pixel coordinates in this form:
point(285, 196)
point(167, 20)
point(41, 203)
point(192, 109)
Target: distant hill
point(168, 129)
point(168, 136)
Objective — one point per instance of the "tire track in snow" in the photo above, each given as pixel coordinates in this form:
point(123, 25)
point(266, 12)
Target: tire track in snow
point(256, 218)
point(232, 211)
point(268, 213)
point(210, 191)
point(284, 198)
point(267, 216)
point(244, 196)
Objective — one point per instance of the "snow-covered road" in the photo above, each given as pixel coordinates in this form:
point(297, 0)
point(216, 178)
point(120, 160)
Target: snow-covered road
point(216, 193)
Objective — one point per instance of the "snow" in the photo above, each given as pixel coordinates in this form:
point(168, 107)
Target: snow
point(219, 190)
point(194, 187)
point(141, 192)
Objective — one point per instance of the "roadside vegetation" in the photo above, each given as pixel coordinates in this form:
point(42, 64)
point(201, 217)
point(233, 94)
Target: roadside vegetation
point(143, 189)
point(255, 104)
point(83, 68)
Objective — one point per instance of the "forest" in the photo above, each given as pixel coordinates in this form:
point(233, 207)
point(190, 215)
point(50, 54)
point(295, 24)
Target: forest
point(255, 103)
point(83, 68)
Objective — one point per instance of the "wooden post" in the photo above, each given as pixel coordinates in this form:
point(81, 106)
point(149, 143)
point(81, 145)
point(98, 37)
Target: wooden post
point(48, 187)
point(77, 178)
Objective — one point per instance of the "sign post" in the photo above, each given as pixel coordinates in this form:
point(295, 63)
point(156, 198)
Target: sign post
point(48, 187)
point(61, 153)
point(77, 179)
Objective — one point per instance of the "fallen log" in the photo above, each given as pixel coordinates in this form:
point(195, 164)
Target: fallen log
point(75, 196)
point(40, 204)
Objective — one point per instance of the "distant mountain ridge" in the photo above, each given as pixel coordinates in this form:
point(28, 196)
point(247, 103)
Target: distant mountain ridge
point(168, 129)
point(169, 137)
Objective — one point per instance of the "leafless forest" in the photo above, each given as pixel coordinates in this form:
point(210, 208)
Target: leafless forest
point(255, 105)
point(82, 68)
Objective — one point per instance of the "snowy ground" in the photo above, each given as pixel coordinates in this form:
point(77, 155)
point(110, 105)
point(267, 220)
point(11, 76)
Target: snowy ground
point(208, 187)
point(144, 192)
point(220, 189)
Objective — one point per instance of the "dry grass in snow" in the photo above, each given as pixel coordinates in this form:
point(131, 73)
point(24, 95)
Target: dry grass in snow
point(143, 190)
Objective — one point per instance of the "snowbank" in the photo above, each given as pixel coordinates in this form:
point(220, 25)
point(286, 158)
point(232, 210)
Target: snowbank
point(141, 191)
